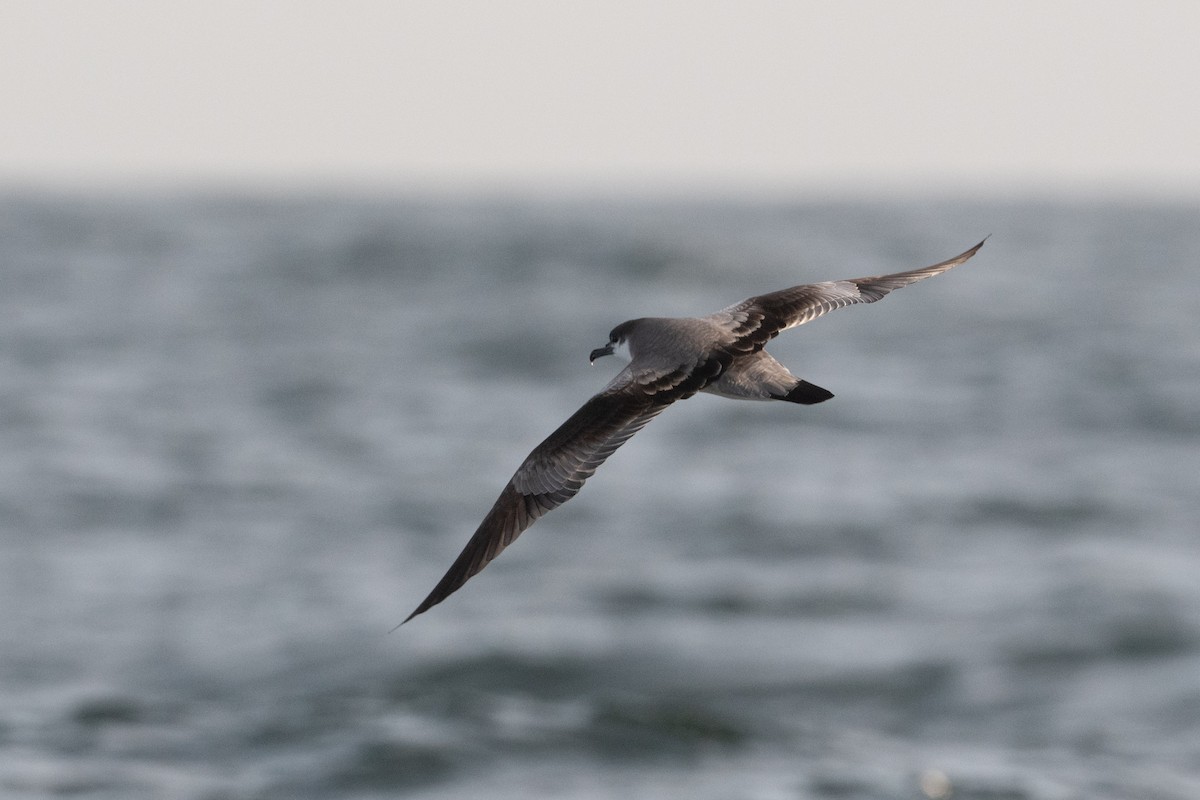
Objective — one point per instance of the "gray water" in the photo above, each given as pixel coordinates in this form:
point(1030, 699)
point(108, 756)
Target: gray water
point(241, 437)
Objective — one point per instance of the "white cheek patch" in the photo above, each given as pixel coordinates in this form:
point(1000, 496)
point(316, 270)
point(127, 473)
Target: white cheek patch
point(621, 352)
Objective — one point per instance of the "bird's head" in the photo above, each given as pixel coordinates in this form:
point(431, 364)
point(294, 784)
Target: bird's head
point(618, 343)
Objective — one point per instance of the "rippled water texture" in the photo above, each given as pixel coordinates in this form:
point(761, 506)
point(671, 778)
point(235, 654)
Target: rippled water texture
point(241, 438)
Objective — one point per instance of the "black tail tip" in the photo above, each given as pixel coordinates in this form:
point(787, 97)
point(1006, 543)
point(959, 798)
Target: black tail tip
point(807, 394)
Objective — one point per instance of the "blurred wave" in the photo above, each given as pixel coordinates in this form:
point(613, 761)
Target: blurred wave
point(242, 436)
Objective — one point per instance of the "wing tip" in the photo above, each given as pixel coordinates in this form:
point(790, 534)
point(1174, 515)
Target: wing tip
point(942, 266)
point(972, 251)
point(497, 530)
point(421, 609)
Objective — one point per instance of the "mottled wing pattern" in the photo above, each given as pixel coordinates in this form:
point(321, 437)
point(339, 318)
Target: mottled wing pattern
point(756, 320)
point(556, 469)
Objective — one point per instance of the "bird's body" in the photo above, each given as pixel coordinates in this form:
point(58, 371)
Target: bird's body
point(671, 358)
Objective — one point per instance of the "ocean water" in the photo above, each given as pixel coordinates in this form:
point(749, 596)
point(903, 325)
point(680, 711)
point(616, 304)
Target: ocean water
point(242, 436)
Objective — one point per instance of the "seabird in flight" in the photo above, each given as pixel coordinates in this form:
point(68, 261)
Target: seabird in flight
point(671, 358)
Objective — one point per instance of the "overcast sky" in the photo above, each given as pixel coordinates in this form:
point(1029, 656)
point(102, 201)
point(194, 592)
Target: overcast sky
point(1088, 96)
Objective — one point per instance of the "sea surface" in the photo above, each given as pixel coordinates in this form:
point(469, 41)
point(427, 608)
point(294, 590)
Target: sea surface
point(243, 435)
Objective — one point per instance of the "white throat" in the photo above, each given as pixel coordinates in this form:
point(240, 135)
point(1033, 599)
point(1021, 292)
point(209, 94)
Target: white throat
point(621, 352)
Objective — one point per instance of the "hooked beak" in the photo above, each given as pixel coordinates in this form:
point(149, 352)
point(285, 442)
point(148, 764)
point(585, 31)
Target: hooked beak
point(607, 350)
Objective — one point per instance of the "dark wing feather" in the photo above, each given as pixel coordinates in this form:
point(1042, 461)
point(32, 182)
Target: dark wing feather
point(759, 319)
point(554, 472)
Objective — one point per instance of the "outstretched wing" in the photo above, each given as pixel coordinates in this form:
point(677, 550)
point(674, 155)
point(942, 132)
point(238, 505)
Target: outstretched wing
point(556, 469)
point(755, 320)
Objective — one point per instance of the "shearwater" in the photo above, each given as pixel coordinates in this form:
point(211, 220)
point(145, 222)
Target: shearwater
point(671, 358)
